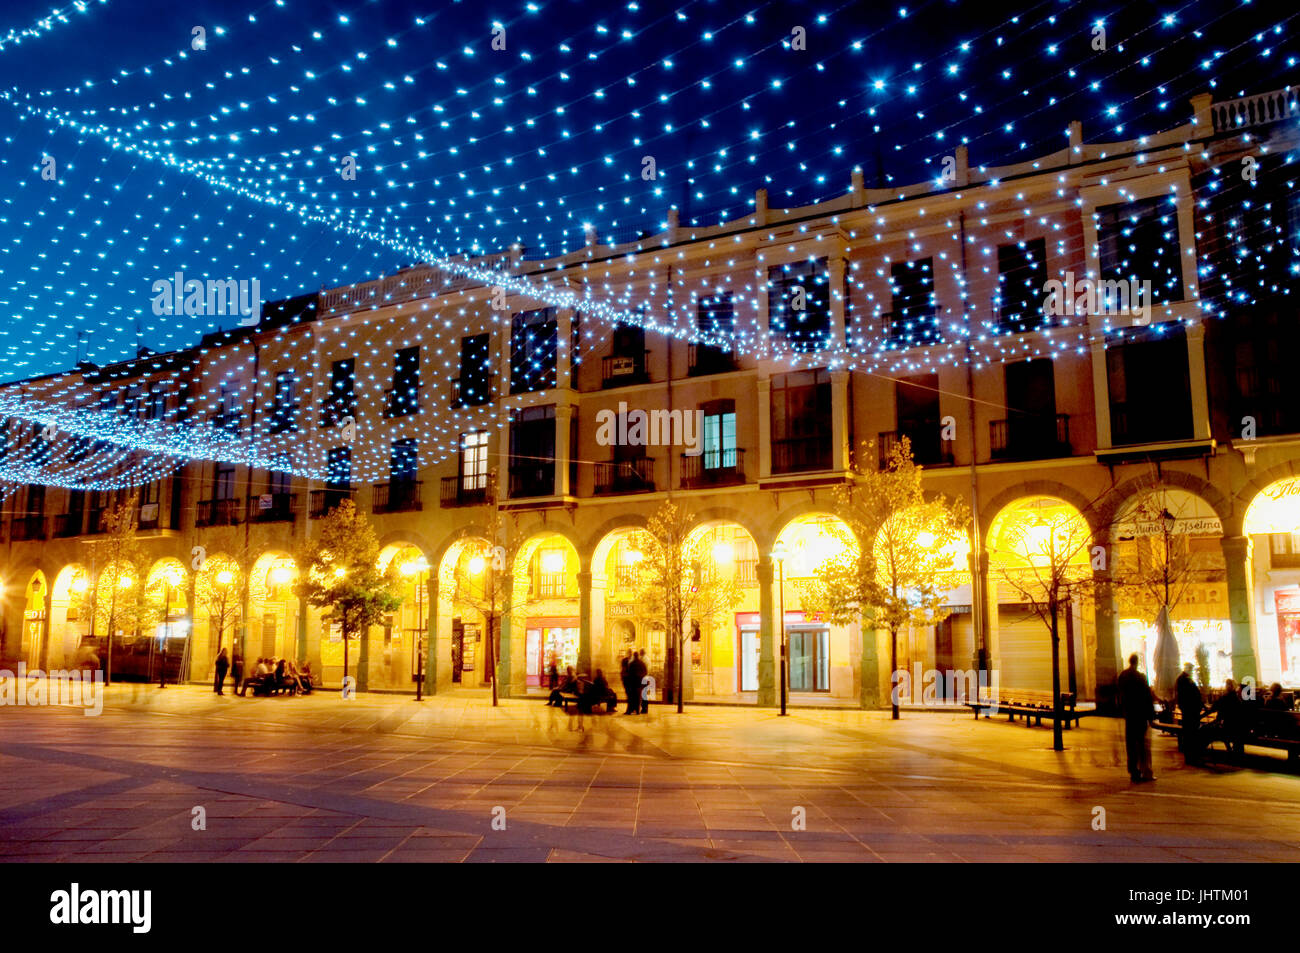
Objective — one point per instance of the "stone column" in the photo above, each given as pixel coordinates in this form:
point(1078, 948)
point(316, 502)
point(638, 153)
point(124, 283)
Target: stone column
point(584, 623)
point(840, 449)
point(1107, 662)
point(764, 427)
point(1101, 394)
point(869, 681)
point(767, 690)
point(1196, 381)
point(563, 425)
point(1241, 605)
point(431, 644)
point(506, 666)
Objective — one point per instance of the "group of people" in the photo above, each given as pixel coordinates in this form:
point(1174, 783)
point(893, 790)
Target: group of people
point(638, 683)
point(273, 675)
point(590, 692)
point(1137, 704)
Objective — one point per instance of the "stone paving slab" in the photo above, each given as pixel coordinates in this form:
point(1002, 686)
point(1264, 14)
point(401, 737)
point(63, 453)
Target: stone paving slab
point(383, 778)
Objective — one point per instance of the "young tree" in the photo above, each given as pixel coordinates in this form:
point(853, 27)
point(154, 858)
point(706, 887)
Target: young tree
point(340, 573)
point(115, 596)
point(485, 586)
point(219, 591)
point(895, 562)
point(1047, 560)
point(679, 579)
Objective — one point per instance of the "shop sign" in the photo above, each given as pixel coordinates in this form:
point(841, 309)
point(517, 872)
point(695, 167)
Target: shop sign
point(1200, 526)
point(620, 609)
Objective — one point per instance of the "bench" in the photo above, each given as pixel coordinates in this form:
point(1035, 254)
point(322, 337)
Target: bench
point(610, 701)
point(1261, 727)
point(1032, 706)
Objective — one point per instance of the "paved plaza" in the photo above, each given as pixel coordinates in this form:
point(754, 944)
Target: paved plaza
point(386, 778)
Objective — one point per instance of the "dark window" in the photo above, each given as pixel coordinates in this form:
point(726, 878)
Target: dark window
point(1022, 281)
point(223, 480)
point(532, 452)
point(801, 421)
point(1031, 430)
point(279, 482)
point(404, 398)
point(227, 417)
point(716, 321)
point(533, 349)
point(626, 363)
point(284, 406)
point(404, 463)
point(338, 468)
point(916, 402)
point(914, 319)
point(799, 304)
point(1139, 242)
point(341, 401)
point(1150, 394)
point(474, 386)
point(155, 407)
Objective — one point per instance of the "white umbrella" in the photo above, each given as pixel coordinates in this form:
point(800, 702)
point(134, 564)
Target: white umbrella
point(1167, 661)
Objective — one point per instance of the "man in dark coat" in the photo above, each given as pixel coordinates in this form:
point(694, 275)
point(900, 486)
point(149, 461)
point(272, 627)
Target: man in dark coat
point(222, 666)
point(626, 679)
point(636, 670)
point(1136, 704)
point(1228, 708)
point(237, 670)
point(1190, 705)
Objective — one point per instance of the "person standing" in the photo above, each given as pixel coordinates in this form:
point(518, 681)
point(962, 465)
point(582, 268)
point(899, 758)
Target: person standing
point(222, 666)
point(636, 671)
point(1136, 704)
point(1190, 704)
point(1228, 708)
point(623, 677)
point(236, 671)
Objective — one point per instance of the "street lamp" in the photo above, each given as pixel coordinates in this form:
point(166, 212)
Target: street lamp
point(417, 568)
point(779, 554)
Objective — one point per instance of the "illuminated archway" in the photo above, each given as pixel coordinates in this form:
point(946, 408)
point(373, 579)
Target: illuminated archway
point(35, 619)
point(273, 629)
point(545, 624)
point(469, 588)
point(218, 608)
point(392, 648)
point(69, 615)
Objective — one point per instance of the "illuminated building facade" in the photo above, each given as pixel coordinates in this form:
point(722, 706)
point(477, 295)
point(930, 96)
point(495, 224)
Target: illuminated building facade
point(792, 346)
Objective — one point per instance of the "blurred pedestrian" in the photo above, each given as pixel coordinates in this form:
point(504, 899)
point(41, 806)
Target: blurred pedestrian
point(236, 671)
point(636, 671)
point(1228, 708)
point(1190, 706)
point(1136, 703)
point(222, 666)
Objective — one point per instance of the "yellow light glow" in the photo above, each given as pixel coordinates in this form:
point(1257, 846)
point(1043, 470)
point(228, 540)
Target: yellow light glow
point(340, 572)
point(174, 575)
point(925, 539)
point(723, 552)
point(225, 577)
point(553, 561)
point(632, 556)
point(79, 584)
point(476, 565)
point(280, 575)
point(126, 582)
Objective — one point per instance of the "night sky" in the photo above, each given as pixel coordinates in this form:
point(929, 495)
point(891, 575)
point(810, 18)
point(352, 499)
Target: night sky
point(226, 162)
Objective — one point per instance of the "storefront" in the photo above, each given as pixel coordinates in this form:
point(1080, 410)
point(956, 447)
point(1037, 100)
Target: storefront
point(1287, 604)
point(547, 640)
point(809, 639)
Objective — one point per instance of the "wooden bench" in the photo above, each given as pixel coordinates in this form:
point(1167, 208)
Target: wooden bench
point(610, 701)
point(1263, 728)
point(1032, 706)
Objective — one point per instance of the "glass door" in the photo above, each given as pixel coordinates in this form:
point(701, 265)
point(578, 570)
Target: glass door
point(810, 659)
point(750, 647)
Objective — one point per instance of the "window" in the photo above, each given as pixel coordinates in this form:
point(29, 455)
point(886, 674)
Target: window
point(474, 386)
point(474, 460)
point(551, 575)
point(404, 398)
point(533, 349)
point(532, 452)
point(1150, 391)
point(341, 401)
point(1022, 280)
point(338, 468)
point(799, 304)
point(801, 421)
point(227, 417)
point(626, 363)
point(1139, 242)
point(404, 463)
point(155, 407)
point(719, 435)
point(284, 406)
point(279, 483)
point(914, 319)
point(715, 319)
point(916, 408)
point(223, 480)
point(132, 400)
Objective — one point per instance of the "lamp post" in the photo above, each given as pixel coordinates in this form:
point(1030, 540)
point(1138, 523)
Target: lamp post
point(417, 568)
point(779, 554)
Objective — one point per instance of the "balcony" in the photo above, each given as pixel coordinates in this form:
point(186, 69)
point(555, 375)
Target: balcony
point(928, 449)
point(801, 454)
point(68, 524)
point(713, 468)
point(271, 508)
point(702, 359)
point(321, 502)
point(1030, 438)
point(619, 370)
point(455, 493)
point(532, 479)
point(217, 512)
point(399, 496)
point(625, 476)
point(26, 527)
point(918, 328)
point(402, 401)
point(1144, 424)
point(471, 390)
point(149, 516)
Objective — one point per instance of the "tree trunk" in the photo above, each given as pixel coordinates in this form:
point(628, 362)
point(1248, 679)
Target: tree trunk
point(346, 637)
point(1058, 742)
point(893, 667)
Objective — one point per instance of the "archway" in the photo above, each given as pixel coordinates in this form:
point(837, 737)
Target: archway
point(822, 655)
point(274, 628)
point(1037, 546)
point(1270, 585)
point(392, 650)
point(69, 615)
point(218, 606)
point(166, 595)
point(545, 612)
point(35, 620)
point(1166, 551)
point(469, 590)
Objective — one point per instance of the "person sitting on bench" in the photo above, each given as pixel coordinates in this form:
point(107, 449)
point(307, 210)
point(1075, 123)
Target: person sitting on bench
point(596, 692)
point(569, 685)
